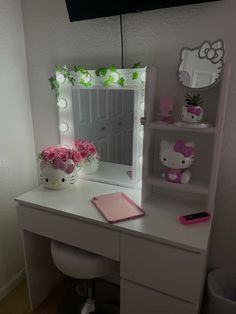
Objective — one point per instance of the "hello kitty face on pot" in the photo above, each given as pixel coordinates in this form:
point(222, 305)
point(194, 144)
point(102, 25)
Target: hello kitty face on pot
point(192, 113)
point(56, 178)
point(177, 155)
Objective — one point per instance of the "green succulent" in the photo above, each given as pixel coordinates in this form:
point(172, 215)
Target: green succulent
point(194, 100)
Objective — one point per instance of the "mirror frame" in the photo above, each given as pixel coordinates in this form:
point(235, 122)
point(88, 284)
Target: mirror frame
point(132, 79)
point(198, 48)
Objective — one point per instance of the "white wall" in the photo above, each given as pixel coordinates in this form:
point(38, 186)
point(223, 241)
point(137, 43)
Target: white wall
point(17, 151)
point(152, 37)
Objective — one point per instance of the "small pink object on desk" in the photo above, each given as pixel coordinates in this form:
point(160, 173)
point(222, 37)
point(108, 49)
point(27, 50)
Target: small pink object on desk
point(117, 207)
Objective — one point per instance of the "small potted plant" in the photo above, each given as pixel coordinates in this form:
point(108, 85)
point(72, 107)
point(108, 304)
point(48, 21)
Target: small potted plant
point(192, 111)
point(89, 157)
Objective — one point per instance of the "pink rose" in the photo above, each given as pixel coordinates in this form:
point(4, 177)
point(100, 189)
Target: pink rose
point(84, 145)
point(76, 156)
point(92, 149)
point(45, 154)
point(83, 154)
point(77, 143)
point(48, 155)
point(52, 156)
point(64, 156)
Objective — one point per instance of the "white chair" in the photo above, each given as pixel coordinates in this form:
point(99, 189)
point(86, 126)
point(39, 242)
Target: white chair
point(81, 264)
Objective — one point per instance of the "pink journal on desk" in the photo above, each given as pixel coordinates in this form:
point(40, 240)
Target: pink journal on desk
point(117, 207)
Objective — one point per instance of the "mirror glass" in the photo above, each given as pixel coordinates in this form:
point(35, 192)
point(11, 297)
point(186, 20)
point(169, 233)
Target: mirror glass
point(105, 117)
point(201, 67)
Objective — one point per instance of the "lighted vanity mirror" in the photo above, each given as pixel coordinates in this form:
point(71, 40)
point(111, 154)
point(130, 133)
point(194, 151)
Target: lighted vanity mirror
point(109, 117)
point(201, 67)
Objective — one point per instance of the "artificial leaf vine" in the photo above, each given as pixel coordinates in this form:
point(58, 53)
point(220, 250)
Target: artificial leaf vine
point(85, 78)
point(135, 74)
point(66, 73)
point(54, 83)
point(109, 76)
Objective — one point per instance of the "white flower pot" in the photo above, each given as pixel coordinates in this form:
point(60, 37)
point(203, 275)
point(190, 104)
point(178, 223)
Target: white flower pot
point(89, 167)
point(192, 114)
point(57, 179)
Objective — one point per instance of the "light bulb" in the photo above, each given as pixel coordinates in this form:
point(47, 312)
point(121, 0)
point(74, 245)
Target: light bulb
point(64, 127)
point(60, 78)
point(62, 103)
point(115, 76)
point(86, 77)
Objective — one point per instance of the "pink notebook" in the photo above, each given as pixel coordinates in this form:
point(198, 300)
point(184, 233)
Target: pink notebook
point(117, 207)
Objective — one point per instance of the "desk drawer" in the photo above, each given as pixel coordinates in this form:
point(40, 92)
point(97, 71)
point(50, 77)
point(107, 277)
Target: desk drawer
point(140, 300)
point(165, 268)
point(80, 234)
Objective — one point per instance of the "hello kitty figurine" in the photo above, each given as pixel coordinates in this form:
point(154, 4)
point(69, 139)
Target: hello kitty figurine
point(177, 156)
point(59, 175)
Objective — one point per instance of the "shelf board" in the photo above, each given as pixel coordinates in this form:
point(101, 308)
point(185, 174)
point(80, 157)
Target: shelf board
point(196, 186)
point(171, 127)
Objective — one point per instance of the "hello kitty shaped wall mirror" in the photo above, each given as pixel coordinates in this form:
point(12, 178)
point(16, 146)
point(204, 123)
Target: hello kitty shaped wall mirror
point(201, 67)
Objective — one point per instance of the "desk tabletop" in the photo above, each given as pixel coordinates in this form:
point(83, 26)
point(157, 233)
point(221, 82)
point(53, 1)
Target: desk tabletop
point(159, 224)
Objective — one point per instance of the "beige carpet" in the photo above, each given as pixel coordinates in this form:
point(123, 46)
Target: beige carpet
point(17, 302)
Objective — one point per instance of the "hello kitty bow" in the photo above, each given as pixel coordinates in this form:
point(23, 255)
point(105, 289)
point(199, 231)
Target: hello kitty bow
point(64, 166)
point(181, 148)
point(214, 52)
point(193, 110)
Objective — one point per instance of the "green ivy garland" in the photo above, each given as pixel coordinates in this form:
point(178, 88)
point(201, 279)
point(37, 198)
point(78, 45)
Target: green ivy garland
point(85, 74)
point(135, 74)
point(106, 73)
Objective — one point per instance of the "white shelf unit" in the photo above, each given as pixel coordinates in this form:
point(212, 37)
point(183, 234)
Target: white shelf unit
point(196, 186)
point(202, 187)
point(157, 125)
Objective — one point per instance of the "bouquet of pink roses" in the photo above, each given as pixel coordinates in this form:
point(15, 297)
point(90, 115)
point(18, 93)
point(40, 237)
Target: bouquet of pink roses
point(60, 158)
point(87, 152)
point(66, 159)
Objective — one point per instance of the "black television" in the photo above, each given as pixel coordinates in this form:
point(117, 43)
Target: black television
point(89, 9)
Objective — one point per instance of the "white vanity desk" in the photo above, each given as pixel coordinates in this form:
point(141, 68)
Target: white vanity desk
point(162, 263)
